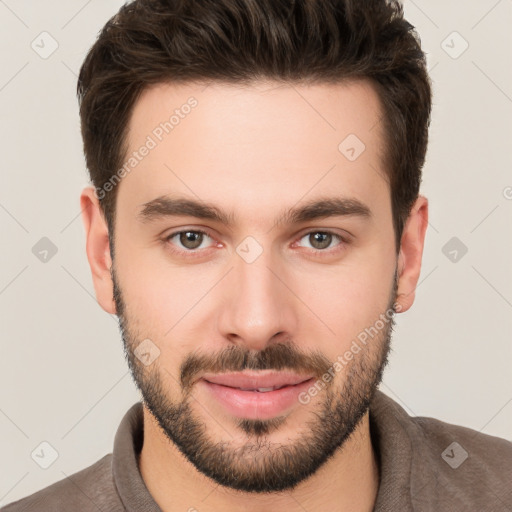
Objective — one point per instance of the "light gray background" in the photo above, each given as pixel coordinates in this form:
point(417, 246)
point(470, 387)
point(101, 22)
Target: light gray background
point(63, 376)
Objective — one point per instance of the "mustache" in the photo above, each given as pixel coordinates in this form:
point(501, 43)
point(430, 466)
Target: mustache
point(279, 356)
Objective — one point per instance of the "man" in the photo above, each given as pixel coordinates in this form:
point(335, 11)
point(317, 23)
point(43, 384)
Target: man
point(255, 223)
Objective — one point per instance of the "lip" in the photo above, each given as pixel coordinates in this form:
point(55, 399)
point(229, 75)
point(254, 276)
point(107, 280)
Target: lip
point(255, 404)
point(256, 379)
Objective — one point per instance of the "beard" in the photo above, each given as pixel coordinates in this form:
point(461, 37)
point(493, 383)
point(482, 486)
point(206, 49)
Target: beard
point(259, 465)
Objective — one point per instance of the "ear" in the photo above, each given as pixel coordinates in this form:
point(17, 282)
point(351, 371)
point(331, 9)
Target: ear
point(98, 248)
point(411, 251)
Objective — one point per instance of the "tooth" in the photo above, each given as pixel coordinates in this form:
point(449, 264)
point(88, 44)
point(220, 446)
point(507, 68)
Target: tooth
point(261, 390)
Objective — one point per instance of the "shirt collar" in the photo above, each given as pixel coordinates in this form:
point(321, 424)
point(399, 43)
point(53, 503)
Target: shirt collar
point(390, 440)
point(125, 463)
point(392, 445)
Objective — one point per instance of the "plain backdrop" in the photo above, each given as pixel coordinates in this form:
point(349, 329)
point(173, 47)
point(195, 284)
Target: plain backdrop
point(63, 379)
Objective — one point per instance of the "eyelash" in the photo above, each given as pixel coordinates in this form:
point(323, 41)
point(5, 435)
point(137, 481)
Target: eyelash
point(197, 252)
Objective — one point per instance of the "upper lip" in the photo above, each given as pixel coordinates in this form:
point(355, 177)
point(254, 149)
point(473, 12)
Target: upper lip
point(256, 380)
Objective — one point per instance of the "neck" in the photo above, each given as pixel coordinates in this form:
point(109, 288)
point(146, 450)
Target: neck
point(349, 480)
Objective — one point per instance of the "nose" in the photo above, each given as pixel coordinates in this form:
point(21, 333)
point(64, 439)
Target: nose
point(258, 307)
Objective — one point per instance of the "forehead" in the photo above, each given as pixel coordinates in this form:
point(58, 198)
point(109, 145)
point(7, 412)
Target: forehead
point(254, 144)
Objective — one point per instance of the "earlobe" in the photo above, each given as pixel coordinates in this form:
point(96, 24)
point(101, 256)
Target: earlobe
point(98, 248)
point(411, 252)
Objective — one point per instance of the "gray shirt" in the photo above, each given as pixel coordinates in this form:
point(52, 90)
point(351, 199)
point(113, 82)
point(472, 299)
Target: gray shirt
point(425, 465)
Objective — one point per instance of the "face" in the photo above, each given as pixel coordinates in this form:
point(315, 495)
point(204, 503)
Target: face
point(289, 267)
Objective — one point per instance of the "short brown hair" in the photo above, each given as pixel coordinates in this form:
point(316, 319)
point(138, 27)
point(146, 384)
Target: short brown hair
point(238, 41)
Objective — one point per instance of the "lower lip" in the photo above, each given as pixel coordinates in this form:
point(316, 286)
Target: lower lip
point(256, 405)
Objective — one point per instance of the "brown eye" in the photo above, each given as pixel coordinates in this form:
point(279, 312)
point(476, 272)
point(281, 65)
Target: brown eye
point(321, 240)
point(189, 240)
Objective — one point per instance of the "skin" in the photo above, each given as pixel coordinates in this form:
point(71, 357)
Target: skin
point(239, 149)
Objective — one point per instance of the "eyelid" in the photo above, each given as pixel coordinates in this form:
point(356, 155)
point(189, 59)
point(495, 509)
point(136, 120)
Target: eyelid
point(344, 235)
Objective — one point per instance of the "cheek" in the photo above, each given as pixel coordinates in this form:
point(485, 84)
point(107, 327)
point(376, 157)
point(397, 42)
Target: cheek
point(344, 301)
point(157, 293)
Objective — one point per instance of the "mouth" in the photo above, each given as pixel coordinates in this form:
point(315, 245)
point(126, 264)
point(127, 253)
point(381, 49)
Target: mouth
point(256, 395)
point(262, 381)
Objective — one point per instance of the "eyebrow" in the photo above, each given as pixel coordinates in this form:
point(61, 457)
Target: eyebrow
point(167, 206)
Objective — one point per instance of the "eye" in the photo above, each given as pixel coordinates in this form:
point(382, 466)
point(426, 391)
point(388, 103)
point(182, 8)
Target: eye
point(190, 239)
point(194, 240)
point(321, 240)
